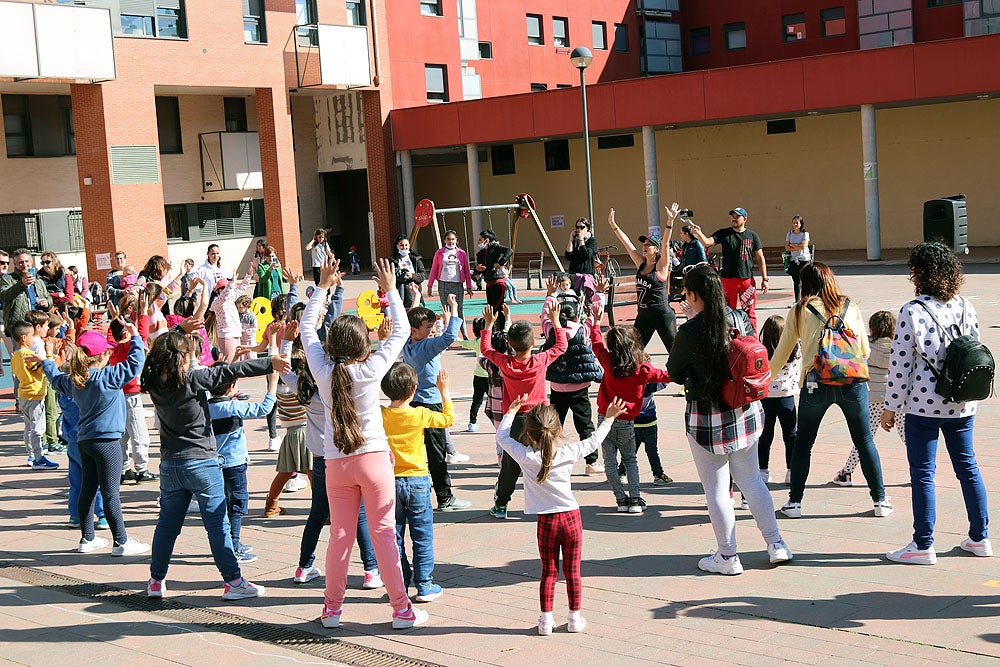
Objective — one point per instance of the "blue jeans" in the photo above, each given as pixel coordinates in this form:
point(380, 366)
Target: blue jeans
point(646, 439)
point(76, 479)
point(179, 480)
point(621, 439)
point(780, 409)
point(414, 509)
point(319, 512)
point(921, 452)
point(852, 399)
point(237, 500)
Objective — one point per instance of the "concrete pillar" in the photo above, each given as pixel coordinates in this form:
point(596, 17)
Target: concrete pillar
point(649, 167)
point(409, 204)
point(869, 153)
point(277, 161)
point(475, 194)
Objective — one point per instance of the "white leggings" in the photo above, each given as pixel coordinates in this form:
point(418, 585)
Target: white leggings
point(875, 410)
point(714, 471)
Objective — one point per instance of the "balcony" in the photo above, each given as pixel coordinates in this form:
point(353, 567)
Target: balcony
point(230, 161)
point(44, 41)
point(344, 56)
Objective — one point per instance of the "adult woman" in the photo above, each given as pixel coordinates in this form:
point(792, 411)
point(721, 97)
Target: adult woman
point(491, 260)
point(821, 293)
point(919, 342)
point(260, 250)
point(450, 268)
point(59, 285)
point(581, 249)
point(797, 242)
point(652, 273)
point(723, 440)
point(269, 276)
point(409, 268)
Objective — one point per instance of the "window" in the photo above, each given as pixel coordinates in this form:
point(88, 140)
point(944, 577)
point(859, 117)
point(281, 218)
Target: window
point(430, 7)
point(600, 31)
point(942, 3)
point(17, 125)
point(736, 35)
point(38, 125)
point(502, 158)
point(356, 13)
point(560, 31)
point(176, 217)
point(560, 86)
point(254, 27)
point(168, 125)
point(661, 47)
point(700, 41)
point(833, 22)
point(616, 141)
point(168, 22)
point(557, 155)
point(305, 14)
point(783, 126)
point(535, 29)
point(538, 87)
point(621, 37)
point(437, 82)
point(137, 25)
point(69, 132)
point(486, 50)
point(154, 18)
point(793, 27)
point(236, 114)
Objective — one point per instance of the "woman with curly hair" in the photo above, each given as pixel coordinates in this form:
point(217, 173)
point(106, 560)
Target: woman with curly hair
point(918, 344)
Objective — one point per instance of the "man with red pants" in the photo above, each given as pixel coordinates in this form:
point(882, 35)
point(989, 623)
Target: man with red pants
point(741, 249)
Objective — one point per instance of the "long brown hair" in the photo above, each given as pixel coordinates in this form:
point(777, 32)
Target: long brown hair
point(541, 428)
point(79, 366)
point(167, 366)
point(346, 342)
point(817, 280)
point(626, 350)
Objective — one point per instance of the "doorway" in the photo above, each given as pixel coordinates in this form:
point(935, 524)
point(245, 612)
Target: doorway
point(346, 194)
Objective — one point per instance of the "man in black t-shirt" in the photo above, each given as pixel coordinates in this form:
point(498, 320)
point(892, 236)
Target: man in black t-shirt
point(741, 249)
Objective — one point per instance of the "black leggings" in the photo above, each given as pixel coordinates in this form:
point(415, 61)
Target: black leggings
point(101, 463)
point(272, 422)
point(579, 403)
point(480, 387)
point(437, 449)
point(495, 295)
point(510, 471)
point(663, 322)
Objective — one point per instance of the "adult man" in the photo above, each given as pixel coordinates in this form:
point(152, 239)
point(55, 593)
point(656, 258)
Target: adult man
point(19, 293)
point(741, 249)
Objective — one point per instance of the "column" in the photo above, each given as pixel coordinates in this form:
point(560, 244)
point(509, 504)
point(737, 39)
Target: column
point(475, 194)
point(649, 167)
point(383, 197)
point(277, 161)
point(869, 153)
point(409, 205)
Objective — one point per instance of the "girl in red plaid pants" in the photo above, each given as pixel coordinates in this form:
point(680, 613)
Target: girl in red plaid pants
point(547, 467)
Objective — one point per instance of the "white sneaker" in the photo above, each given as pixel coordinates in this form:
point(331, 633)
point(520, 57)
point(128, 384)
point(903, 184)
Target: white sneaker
point(765, 475)
point(131, 547)
point(596, 468)
point(883, 507)
point(984, 548)
point(576, 623)
point(304, 575)
point(794, 510)
point(242, 590)
point(452, 459)
point(545, 625)
point(779, 552)
point(472, 428)
point(410, 618)
point(86, 546)
point(372, 581)
point(714, 562)
point(911, 555)
point(156, 589)
point(274, 444)
point(330, 618)
point(296, 484)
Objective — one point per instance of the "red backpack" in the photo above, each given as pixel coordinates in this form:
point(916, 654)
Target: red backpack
point(749, 371)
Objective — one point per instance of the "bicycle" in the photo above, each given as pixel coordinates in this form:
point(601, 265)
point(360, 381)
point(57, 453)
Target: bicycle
point(606, 266)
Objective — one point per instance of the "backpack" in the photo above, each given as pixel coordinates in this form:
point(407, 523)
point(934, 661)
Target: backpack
point(749, 372)
point(574, 302)
point(839, 360)
point(968, 369)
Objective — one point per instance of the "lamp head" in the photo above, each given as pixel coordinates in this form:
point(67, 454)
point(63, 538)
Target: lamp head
point(581, 57)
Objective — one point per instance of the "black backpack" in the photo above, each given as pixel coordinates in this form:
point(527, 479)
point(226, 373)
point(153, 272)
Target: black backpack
point(968, 369)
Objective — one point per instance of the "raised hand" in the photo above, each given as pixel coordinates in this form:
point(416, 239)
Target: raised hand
point(291, 330)
point(287, 274)
point(328, 273)
point(385, 275)
point(673, 211)
point(489, 316)
point(550, 285)
point(616, 408)
point(443, 381)
point(516, 404)
point(453, 305)
point(385, 329)
point(192, 324)
point(553, 313)
point(280, 364)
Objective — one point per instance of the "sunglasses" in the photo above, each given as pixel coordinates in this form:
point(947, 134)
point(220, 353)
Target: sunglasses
point(581, 226)
point(46, 262)
point(5, 263)
point(687, 269)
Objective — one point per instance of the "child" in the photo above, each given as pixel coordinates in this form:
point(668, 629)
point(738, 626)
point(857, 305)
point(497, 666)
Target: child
point(54, 339)
point(627, 371)
point(30, 393)
point(780, 402)
point(547, 493)
point(352, 252)
point(646, 436)
point(404, 426)
point(97, 388)
point(318, 249)
point(882, 326)
point(480, 378)
point(70, 422)
point(135, 439)
point(358, 458)
point(229, 326)
point(523, 373)
point(423, 353)
point(248, 323)
point(494, 396)
point(227, 415)
point(558, 287)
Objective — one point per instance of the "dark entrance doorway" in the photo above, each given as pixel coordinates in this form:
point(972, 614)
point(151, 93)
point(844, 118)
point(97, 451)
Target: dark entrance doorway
point(346, 194)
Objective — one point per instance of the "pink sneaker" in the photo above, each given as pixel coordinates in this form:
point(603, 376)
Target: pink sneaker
point(329, 618)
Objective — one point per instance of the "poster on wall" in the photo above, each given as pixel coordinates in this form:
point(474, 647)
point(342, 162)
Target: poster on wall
point(557, 221)
point(103, 261)
point(654, 230)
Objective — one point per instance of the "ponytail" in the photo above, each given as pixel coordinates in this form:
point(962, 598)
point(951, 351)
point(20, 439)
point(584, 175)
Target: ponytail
point(346, 341)
point(79, 367)
point(306, 387)
point(541, 428)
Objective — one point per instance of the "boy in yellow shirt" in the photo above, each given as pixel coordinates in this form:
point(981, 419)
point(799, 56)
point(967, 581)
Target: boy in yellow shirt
point(404, 425)
point(30, 394)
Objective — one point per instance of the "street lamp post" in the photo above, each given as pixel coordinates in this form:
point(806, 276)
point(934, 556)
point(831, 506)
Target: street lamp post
point(581, 58)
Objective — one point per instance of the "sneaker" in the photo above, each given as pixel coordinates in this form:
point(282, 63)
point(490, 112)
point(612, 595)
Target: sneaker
point(145, 476)
point(594, 469)
point(453, 504)
point(43, 464)
point(101, 523)
point(883, 507)
point(623, 504)
point(372, 580)
point(410, 618)
point(765, 475)
point(498, 511)
point(472, 428)
point(131, 547)
point(86, 546)
point(428, 593)
point(983, 548)
point(779, 552)
point(791, 510)
point(662, 479)
point(156, 588)
point(715, 562)
point(242, 590)
point(128, 476)
point(304, 575)
point(576, 623)
point(57, 448)
point(636, 505)
point(31, 460)
point(788, 477)
point(74, 522)
point(843, 479)
point(911, 555)
point(744, 505)
point(623, 479)
point(453, 459)
point(330, 618)
point(545, 625)
point(243, 547)
point(245, 556)
point(274, 444)
point(292, 485)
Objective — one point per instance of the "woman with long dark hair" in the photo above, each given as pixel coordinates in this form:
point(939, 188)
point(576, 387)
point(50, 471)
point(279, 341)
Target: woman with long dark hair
point(409, 268)
point(491, 262)
point(450, 269)
point(797, 243)
point(723, 440)
point(60, 286)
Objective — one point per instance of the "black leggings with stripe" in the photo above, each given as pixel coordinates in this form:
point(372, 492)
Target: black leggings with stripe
point(101, 463)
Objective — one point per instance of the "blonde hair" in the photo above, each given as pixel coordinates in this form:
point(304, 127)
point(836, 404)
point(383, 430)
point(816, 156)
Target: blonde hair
point(79, 366)
point(541, 428)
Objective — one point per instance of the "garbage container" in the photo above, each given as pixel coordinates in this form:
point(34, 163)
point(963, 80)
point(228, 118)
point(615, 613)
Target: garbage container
point(946, 220)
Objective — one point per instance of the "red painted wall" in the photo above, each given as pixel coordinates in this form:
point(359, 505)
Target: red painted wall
point(931, 23)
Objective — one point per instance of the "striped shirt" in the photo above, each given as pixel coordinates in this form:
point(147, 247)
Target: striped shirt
point(290, 411)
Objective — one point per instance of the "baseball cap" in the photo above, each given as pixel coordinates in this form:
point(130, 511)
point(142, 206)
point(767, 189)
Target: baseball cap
point(655, 240)
point(740, 211)
point(222, 284)
point(93, 343)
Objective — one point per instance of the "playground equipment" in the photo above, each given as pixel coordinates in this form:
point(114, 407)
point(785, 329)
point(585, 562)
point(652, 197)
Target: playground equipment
point(261, 308)
point(370, 309)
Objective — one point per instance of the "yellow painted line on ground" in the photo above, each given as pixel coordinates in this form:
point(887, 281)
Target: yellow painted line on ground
point(993, 583)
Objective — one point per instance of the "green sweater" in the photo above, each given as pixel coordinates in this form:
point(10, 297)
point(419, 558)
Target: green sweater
point(14, 296)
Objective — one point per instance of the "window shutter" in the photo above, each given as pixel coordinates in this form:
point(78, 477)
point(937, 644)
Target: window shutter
point(246, 7)
point(169, 4)
point(138, 7)
point(134, 164)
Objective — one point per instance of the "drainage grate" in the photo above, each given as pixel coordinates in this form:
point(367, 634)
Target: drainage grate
point(293, 639)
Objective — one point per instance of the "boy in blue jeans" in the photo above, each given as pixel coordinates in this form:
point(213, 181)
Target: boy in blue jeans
point(227, 415)
point(646, 437)
point(405, 426)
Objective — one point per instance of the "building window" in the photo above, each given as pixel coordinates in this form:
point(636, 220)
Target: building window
point(700, 41)
point(168, 22)
point(942, 3)
point(430, 7)
point(615, 141)
point(600, 30)
point(17, 125)
point(782, 126)
point(38, 125)
point(560, 31)
point(437, 82)
point(155, 18)
point(621, 37)
point(793, 27)
point(236, 114)
point(69, 132)
point(557, 155)
point(356, 13)
point(176, 217)
point(736, 35)
point(138, 25)
point(254, 27)
point(538, 87)
point(661, 47)
point(833, 22)
point(486, 50)
point(560, 86)
point(305, 15)
point(535, 29)
point(502, 158)
point(168, 125)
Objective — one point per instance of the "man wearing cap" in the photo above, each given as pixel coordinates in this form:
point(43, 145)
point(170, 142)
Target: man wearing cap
point(741, 249)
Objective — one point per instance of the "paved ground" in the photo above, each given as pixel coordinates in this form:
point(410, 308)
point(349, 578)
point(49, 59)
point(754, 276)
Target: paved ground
point(645, 598)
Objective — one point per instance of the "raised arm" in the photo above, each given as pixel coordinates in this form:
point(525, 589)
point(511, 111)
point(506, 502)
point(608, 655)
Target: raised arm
point(634, 254)
point(378, 363)
point(706, 241)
